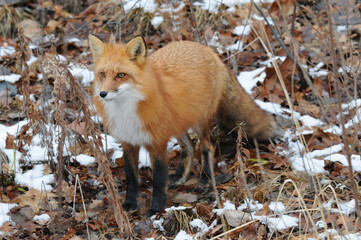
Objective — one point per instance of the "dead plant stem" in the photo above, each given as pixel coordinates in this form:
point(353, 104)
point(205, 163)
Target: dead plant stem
point(342, 119)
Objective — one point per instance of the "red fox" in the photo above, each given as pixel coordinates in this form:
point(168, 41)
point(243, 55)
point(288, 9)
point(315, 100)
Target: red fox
point(144, 100)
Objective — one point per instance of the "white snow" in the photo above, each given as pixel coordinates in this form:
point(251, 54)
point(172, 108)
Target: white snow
point(249, 79)
point(84, 159)
point(4, 210)
point(76, 41)
point(201, 226)
point(173, 208)
point(327, 151)
point(36, 153)
point(12, 130)
point(157, 21)
point(348, 207)
point(158, 224)
point(355, 120)
point(252, 205)
point(310, 122)
point(238, 46)
point(226, 205)
point(12, 78)
point(32, 60)
point(317, 72)
point(165, 7)
point(277, 207)
point(182, 235)
point(341, 28)
point(173, 144)
point(334, 234)
point(310, 165)
point(86, 76)
point(117, 154)
point(146, 5)
point(352, 104)
point(268, 62)
point(243, 30)
point(355, 160)
point(35, 177)
point(278, 223)
point(213, 5)
point(43, 218)
point(61, 58)
point(144, 158)
point(6, 50)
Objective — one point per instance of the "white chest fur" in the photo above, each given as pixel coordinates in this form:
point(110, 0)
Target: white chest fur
point(124, 123)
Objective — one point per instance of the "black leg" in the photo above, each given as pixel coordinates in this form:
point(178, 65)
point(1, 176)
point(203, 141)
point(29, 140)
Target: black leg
point(206, 171)
point(160, 173)
point(180, 167)
point(131, 172)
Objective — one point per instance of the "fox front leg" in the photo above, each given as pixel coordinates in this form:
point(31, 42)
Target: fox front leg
point(131, 155)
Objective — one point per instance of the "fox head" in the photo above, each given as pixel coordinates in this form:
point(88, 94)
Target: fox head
point(117, 66)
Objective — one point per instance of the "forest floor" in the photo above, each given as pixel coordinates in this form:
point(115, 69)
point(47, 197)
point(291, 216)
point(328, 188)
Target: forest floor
point(62, 176)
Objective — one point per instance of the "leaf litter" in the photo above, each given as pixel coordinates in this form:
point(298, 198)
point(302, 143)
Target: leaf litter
point(298, 186)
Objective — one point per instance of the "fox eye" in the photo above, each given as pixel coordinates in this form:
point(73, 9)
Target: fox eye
point(120, 75)
point(102, 74)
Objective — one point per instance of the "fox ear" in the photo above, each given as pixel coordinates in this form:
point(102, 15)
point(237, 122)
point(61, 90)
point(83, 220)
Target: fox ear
point(137, 49)
point(97, 47)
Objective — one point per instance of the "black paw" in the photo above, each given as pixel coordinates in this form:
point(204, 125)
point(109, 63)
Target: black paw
point(174, 177)
point(151, 212)
point(204, 180)
point(129, 206)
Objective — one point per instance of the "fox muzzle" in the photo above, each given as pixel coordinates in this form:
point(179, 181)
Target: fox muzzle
point(103, 94)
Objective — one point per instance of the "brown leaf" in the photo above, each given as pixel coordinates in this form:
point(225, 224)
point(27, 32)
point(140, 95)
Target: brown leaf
point(33, 198)
point(6, 227)
point(10, 141)
point(78, 127)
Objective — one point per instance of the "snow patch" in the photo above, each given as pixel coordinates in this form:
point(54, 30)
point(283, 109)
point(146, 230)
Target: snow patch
point(42, 219)
point(277, 207)
point(243, 30)
point(280, 223)
point(146, 5)
point(250, 204)
point(182, 235)
point(12, 78)
point(4, 210)
point(157, 21)
point(173, 208)
point(249, 79)
point(84, 159)
point(86, 76)
point(238, 46)
point(226, 205)
point(6, 50)
point(35, 177)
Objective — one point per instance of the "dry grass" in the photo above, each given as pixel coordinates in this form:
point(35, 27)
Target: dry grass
point(302, 194)
point(9, 18)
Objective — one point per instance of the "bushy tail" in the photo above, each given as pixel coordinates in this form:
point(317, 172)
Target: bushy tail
point(237, 106)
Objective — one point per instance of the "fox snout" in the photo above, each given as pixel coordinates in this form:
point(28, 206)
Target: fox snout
point(103, 94)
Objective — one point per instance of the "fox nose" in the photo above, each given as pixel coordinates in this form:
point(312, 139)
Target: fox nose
point(103, 94)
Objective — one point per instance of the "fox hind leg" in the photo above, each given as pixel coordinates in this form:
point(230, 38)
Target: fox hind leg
point(207, 156)
point(186, 160)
